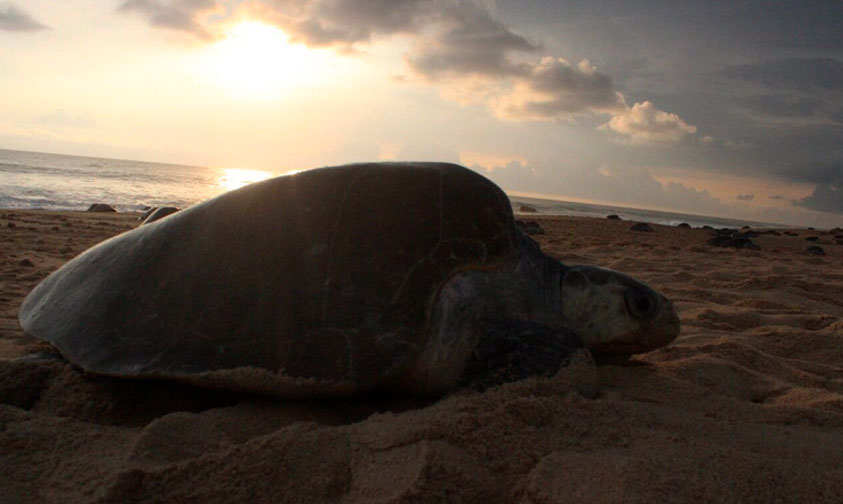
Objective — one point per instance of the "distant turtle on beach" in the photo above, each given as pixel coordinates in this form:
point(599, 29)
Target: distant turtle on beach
point(641, 226)
point(101, 207)
point(735, 240)
point(530, 227)
point(294, 287)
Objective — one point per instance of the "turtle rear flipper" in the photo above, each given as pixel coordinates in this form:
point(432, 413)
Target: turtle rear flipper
point(518, 349)
point(41, 352)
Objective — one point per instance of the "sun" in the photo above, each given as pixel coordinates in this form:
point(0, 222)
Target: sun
point(257, 61)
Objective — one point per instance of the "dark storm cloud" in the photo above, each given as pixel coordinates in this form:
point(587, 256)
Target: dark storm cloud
point(807, 74)
point(776, 144)
point(179, 15)
point(825, 198)
point(814, 24)
point(828, 171)
point(13, 18)
point(784, 106)
point(828, 177)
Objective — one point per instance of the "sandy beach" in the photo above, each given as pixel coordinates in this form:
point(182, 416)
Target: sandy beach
point(746, 406)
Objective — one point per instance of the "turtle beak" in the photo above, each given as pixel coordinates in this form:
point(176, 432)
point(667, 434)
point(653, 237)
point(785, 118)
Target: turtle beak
point(664, 328)
point(661, 329)
point(668, 324)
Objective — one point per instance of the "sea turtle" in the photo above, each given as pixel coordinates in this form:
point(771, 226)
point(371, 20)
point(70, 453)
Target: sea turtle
point(296, 287)
point(641, 226)
point(101, 207)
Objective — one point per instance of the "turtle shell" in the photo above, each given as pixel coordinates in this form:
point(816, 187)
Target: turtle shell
point(328, 275)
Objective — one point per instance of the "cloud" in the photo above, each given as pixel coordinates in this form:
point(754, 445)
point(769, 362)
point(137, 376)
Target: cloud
point(643, 123)
point(825, 171)
point(827, 174)
point(783, 106)
point(745, 197)
point(805, 74)
point(319, 23)
point(177, 15)
point(455, 37)
point(735, 145)
point(686, 198)
point(825, 198)
point(13, 18)
point(470, 41)
point(555, 89)
point(460, 45)
point(738, 145)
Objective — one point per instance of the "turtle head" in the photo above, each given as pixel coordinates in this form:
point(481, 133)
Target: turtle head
point(614, 315)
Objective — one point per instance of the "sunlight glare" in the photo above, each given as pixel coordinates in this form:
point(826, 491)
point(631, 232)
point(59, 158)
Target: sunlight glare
point(256, 61)
point(235, 178)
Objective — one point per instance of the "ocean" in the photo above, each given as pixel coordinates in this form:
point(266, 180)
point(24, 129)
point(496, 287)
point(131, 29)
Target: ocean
point(36, 180)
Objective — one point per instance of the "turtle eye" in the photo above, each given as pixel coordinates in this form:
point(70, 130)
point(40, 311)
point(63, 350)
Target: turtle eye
point(640, 302)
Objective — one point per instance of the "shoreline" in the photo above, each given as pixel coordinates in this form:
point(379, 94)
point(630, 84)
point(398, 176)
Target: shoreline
point(663, 217)
point(547, 207)
point(631, 217)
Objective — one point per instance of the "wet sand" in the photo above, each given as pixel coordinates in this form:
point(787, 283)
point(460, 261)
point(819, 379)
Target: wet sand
point(746, 406)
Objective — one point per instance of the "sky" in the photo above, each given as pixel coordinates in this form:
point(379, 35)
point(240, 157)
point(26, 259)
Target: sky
point(726, 108)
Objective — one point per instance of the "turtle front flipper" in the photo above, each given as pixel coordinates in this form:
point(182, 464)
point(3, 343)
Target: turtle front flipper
point(516, 349)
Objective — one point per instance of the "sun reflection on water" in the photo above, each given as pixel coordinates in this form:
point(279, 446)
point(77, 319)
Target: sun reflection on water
point(234, 178)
